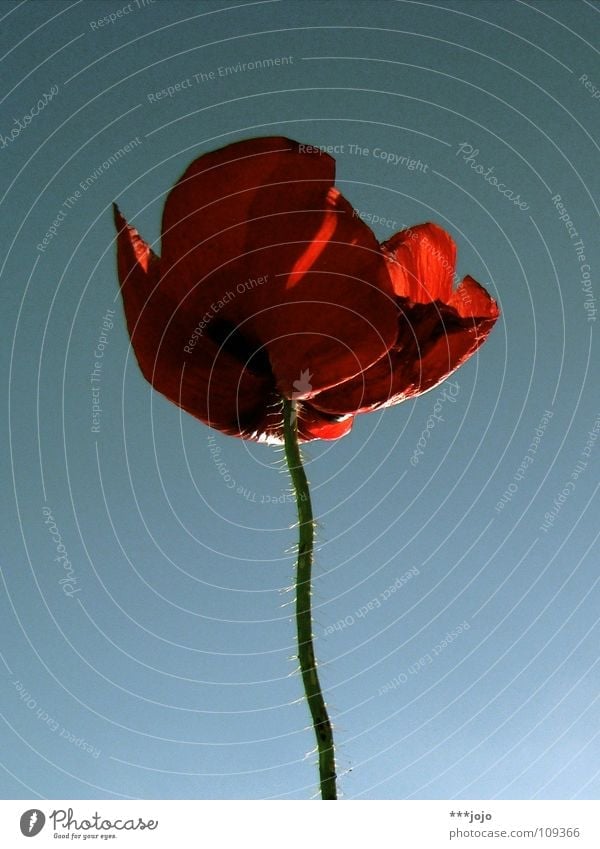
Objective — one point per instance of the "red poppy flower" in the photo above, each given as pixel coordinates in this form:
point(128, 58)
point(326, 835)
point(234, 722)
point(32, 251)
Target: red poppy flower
point(270, 285)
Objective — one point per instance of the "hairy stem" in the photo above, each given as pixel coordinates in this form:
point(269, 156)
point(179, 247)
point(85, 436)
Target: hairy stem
point(306, 654)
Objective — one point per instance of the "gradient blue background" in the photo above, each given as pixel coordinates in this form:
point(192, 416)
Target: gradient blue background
point(175, 657)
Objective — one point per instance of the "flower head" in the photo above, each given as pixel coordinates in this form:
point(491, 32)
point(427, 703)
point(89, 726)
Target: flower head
point(269, 285)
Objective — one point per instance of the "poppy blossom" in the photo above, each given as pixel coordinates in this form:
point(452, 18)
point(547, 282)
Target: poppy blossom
point(270, 285)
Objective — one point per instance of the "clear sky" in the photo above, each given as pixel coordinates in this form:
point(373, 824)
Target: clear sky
point(456, 589)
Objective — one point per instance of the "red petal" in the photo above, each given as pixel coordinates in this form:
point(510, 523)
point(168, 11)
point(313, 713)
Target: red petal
point(433, 341)
point(206, 380)
point(421, 263)
point(256, 235)
point(230, 194)
point(215, 387)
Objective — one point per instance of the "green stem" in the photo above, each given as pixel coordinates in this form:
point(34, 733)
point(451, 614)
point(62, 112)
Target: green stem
point(306, 654)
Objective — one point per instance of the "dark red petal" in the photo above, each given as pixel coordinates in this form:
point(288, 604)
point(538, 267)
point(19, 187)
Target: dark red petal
point(240, 186)
point(255, 237)
point(421, 263)
point(206, 380)
point(433, 341)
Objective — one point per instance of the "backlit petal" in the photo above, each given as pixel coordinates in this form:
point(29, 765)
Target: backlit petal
point(421, 263)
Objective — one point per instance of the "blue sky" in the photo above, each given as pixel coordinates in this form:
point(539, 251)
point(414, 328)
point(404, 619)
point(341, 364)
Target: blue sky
point(456, 595)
